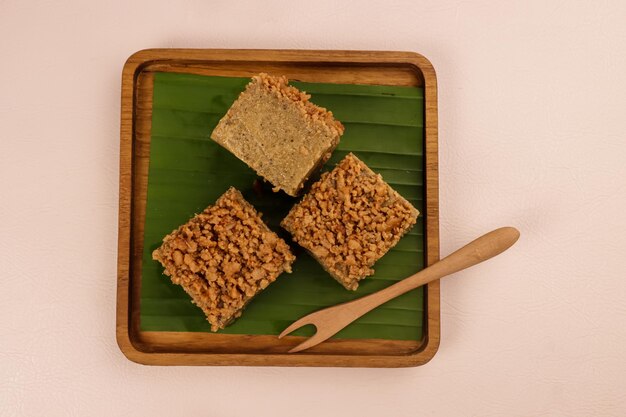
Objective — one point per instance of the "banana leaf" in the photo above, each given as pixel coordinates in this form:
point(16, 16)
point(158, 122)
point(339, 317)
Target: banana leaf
point(188, 171)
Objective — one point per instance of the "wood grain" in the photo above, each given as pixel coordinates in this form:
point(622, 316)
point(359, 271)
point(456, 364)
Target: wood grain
point(307, 72)
point(194, 348)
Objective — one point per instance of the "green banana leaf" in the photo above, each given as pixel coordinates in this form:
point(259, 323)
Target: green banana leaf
point(188, 171)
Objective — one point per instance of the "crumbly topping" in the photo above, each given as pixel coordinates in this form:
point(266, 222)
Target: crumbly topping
point(281, 88)
point(223, 257)
point(349, 219)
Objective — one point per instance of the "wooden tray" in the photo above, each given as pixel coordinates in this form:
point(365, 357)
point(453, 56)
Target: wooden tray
point(196, 348)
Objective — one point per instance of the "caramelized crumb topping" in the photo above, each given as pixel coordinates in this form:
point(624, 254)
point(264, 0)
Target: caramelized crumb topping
point(223, 257)
point(349, 220)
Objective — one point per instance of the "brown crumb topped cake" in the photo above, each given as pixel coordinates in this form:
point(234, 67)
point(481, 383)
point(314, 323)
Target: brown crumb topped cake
point(278, 132)
point(223, 257)
point(349, 219)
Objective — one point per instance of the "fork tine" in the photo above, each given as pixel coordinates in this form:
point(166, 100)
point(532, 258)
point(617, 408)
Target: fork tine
point(317, 338)
point(295, 325)
point(310, 342)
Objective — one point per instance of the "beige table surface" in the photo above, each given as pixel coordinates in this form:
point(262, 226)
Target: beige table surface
point(533, 134)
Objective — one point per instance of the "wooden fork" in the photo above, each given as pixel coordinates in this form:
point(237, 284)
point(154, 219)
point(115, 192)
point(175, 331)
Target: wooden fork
point(332, 319)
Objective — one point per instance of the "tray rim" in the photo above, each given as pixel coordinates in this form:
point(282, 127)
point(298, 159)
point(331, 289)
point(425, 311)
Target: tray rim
point(133, 67)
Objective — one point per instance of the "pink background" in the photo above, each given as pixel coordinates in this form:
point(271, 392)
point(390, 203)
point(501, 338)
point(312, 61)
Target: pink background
point(533, 134)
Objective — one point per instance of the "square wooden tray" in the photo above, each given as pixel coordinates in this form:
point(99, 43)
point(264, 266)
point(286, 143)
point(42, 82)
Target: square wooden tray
point(196, 348)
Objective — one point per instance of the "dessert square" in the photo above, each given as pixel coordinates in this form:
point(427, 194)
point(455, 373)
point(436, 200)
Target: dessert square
point(223, 257)
point(278, 132)
point(349, 219)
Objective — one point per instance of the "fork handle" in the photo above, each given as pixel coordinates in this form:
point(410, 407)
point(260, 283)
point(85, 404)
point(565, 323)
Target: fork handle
point(485, 247)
